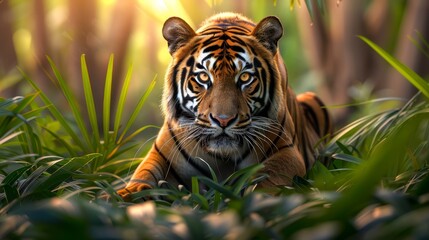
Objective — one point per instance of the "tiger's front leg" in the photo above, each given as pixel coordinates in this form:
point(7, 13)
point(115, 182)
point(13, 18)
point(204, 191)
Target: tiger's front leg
point(146, 176)
point(281, 167)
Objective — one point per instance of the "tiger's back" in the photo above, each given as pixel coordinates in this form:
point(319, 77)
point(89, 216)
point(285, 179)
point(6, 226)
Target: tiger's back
point(227, 105)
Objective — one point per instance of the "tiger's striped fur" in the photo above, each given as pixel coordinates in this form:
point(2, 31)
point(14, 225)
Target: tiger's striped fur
point(227, 104)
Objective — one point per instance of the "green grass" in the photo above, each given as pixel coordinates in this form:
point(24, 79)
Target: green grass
point(56, 170)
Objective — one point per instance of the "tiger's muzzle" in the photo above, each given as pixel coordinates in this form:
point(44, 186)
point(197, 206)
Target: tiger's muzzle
point(223, 136)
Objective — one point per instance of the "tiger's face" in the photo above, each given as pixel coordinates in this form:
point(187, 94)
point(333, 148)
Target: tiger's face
point(222, 93)
point(220, 82)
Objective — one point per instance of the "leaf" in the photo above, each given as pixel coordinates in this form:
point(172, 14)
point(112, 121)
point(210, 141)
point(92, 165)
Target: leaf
point(218, 187)
point(89, 99)
point(346, 158)
point(243, 176)
point(138, 109)
point(9, 137)
point(107, 98)
point(405, 71)
point(5, 103)
point(74, 105)
point(130, 137)
point(312, 8)
point(12, 177)
point(11, 193)
point(343, 148)
point(201, 200)
point(67, 168)
point(195, 185)
point(11, 109)
point(61, 140)
point(121, 102)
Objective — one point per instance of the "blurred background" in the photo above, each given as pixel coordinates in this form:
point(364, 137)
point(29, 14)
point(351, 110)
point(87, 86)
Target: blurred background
point(320, 46)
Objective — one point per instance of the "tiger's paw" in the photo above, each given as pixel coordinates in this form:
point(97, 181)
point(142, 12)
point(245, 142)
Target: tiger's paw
point(126, 192)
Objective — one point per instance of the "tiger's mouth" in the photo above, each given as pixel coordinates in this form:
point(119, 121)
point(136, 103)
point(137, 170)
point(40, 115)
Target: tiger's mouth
point(223, 145)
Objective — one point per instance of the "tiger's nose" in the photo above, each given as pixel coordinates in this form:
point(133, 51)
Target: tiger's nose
point(222, 120)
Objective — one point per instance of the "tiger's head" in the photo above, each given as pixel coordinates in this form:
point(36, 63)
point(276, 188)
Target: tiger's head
point(224, 84)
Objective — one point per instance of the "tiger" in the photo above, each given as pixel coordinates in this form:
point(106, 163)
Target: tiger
point(227, 105)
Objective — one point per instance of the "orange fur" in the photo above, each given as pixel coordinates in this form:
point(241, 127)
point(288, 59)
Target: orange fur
point(227, 104)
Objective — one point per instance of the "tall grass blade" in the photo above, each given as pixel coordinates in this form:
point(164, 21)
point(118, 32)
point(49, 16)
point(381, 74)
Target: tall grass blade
point(12, 177)
point(121, 102)
point(107, 100)
point(63, 143)
point(25, 102)
point(405, 71)
point(121, 143)
point(356, 104)
point(73, 103)
point(420, 44)
point(195, 185)
point(201, 200)
point(55, 112)
point(89, 98)
point(138, 108)
point(11, 115)
point(65, 169)
point(30, 141)
point(8, 137)
point(239, 178)
point(217, 187)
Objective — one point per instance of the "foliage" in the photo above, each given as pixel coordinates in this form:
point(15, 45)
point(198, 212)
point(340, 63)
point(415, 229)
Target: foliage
point(56, 174)
point(45, 154)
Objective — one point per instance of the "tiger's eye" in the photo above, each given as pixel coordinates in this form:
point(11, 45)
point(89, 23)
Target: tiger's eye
point(245, 77)
point(203, 77)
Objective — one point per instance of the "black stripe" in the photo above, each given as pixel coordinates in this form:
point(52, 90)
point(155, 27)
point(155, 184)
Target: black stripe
point(227, 27)
point(151, 173)
point(271, 87)
point(207, 57)
point(308, 110)
point(191, 160)
point(237, 40)
point(244, 156)
point(209, 41)
point(286, 146)
point(211, 48)
point(190, 62)
point(304, 150)
point(158, 168)
point(294, 137)
point(281, 129)
point(172, 170)
point(237, 49)
point(194, 49)
point(173, 100)
point(270, 150)
point(325, 113)
point(272, 81)
point(251, 49)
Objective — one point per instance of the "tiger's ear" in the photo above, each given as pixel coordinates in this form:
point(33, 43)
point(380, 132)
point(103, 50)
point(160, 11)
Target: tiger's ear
point(177, 33)
point(268, 31)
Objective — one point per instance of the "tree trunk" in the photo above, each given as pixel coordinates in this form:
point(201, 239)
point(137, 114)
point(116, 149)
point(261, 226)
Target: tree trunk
point(117, 41)
point(82, 23)
point(341, 59)
point(8, 59)
point(41, 67)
